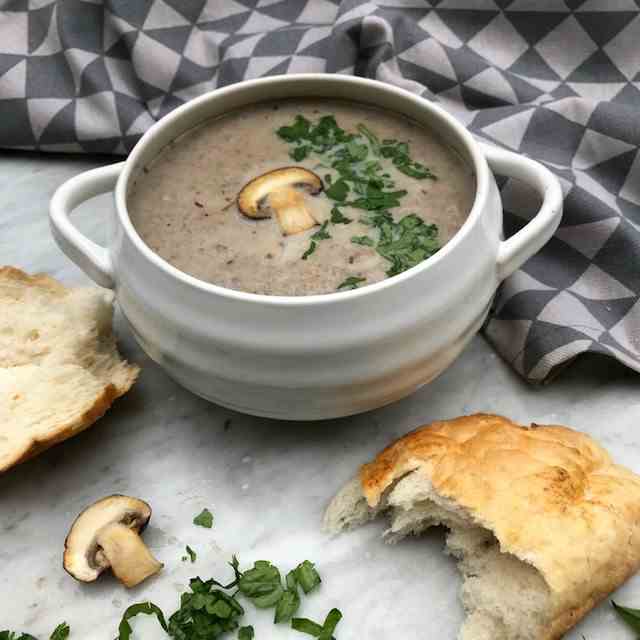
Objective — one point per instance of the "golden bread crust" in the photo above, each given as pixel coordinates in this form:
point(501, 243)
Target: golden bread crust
point(59, 366)
point(551, 496)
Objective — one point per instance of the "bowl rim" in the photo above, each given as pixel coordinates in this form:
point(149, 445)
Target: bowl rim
point(472, 148)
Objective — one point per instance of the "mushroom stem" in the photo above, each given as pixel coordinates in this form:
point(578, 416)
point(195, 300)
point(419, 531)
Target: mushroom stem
point(130, 560)
point(293, 216)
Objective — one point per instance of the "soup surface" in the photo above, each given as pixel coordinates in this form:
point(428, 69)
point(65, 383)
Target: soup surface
point(373, 194)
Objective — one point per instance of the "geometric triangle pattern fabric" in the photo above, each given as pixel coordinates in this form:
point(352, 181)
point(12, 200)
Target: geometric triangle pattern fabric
point(557, 81)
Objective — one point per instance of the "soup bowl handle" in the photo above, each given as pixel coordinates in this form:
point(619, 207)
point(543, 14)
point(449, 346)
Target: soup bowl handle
point(515, 251)
point(90, 257)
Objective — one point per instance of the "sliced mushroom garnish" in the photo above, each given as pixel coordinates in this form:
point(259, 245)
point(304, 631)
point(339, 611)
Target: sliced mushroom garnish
point(106, 534)
point(281, 192)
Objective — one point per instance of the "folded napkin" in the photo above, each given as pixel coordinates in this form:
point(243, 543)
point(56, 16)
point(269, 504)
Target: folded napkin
point(556, 80)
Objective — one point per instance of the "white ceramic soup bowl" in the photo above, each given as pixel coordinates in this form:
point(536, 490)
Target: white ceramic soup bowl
point(319, 356)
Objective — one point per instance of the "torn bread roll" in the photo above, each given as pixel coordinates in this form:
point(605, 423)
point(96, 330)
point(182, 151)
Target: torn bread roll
point(59, 366)
point(542, 523)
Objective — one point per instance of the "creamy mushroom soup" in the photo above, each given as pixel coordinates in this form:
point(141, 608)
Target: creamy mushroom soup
point(301, 197)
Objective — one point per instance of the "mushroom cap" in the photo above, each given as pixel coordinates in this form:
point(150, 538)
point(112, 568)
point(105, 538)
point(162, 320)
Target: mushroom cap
point(253, 196)
point(82, 556)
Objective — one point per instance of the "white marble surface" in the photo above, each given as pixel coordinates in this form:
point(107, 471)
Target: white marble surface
point(266, 482)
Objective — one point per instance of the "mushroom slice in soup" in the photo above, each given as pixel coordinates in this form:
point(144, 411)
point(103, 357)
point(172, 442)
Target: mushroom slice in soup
point(282, 192)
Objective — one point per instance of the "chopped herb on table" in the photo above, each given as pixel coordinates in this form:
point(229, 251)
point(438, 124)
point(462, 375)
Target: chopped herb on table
point(210, 609)
point(204, 519)
point(629, 615)
point(361, 163)
point(61, 632)
point(324, 631)
point(306, 576)
point(246, 633)
point(141, 608)
point(191, 555)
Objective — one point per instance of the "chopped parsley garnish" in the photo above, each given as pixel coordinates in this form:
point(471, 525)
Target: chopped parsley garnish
point(310, 250)
point(338, 218)
point(300, 153)
point(207, 611)
point(398, 152)
point(321, 233)
point(145, 608)
point(630, 616)
point(287, 606)
point(324, 631)
point(204, 519)
point(192, 555)
point(375, 199)
point(352, 282)
point(262, 584)
point(363, 240)
point(61, 632)
point(361, 180)
point(371, 137)
point(405, 243)
point(338, 190)
point(246, 633)
point(306, 576)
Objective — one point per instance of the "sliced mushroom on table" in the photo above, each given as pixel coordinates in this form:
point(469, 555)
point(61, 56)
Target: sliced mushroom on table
point(106, 535)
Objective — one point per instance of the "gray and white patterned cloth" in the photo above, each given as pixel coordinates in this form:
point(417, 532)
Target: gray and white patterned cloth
point(558, 80)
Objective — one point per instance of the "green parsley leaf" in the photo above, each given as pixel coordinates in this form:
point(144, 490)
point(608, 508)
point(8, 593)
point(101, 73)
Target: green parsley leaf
point(398, 152)
point(291, 580)
point(205, 613)
point(357, 151)
point(246, 633)
point(192, 554)
point(304, 625)
point(12, 635)
point(322, 632)
point(306, 575)
point(287, 606)
point(416, 170)
point(322, 233)
point(204, 519)
point(352, 282)
point(338, 218)
point(310, 250)
point(363, 240)
point(61, 632)
point(374, 198)
point(371, 137)
point(338, 191)
point(330, 623)
point(299, 130)
point(630, 616)
point(407, 243)
point(235, 565)
point(145, 608)
point(300, 153)
point(261, 584)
